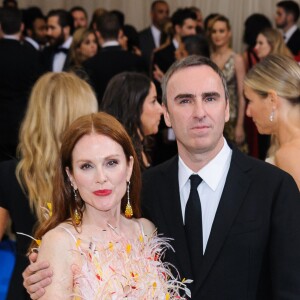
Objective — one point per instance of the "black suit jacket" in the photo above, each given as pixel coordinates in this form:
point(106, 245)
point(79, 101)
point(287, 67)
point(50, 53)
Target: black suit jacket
point(294, 42)
point(147, 44)
point(109, 62)
point(19, 68)
point(253, 251)
point(165, 57)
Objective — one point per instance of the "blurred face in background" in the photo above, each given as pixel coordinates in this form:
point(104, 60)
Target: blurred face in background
point(39, 31)
point(188, 28)
point(262, 47)
point(151, 113)
point(160, 14)
point(220, 34)
point(80, 20)
point(281, 18)
point(55, 32)
point(89, 46)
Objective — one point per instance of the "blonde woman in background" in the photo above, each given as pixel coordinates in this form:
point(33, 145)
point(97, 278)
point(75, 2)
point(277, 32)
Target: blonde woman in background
point(270, 41)
point(83, 47)
point(26, 187)
point(233, 68)
point(272, 88)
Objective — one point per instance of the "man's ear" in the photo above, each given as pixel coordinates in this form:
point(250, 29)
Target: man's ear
point(99, 37)
point(166, 115)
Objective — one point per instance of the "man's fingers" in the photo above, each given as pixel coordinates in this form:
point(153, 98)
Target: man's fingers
point(32, 268)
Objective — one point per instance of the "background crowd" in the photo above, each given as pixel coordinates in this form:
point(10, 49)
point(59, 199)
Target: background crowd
point(50, 56)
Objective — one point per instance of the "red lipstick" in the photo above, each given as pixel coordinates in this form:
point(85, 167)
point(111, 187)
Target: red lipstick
point(102, 192)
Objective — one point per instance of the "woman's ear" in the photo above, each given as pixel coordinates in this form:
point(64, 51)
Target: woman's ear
point(71, 178)
point(273, 98)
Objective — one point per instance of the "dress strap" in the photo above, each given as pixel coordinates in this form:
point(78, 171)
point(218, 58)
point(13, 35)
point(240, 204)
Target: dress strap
point(71, 234)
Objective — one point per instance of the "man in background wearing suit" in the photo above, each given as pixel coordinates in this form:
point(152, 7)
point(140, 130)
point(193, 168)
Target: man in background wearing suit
point(237, 230)
point(287, 15)
point(19, 69)
point(152, 37)
point(184, 22)
point(111, 59)
point(59, 33)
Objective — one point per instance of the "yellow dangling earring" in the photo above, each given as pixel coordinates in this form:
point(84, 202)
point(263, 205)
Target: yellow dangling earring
point(128, 209)
point(77, 217)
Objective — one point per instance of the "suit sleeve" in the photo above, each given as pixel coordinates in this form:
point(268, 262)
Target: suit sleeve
point(284, 246)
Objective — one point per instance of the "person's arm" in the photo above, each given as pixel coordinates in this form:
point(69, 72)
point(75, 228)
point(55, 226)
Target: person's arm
point(284, 241)
point(240, 74)
point(55, 248)
point(3, 221)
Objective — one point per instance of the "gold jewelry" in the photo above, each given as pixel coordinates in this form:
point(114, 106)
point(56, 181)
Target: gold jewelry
point(77, 216)
point(128, 209)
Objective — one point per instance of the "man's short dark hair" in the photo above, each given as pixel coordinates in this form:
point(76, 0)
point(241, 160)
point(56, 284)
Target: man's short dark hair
point(11, 20)
point(64, 17)
point(290, 7)
point(109, 26)
point(79, 8)
point(30, 15)
point(181, 14)
point(154, 3)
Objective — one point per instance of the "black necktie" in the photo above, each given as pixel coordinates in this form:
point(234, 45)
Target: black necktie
point(193, 226)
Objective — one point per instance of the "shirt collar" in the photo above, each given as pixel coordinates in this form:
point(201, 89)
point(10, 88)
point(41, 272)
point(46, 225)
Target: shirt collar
point(290, 32)
point(32, 42)
point(211, 173)
point(110, 43)
point(156, 35)
point(67, 43)
point(175, 43)
point(11, 37)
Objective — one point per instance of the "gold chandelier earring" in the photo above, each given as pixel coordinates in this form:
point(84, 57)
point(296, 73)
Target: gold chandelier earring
point(128, 209)
point(77, 216)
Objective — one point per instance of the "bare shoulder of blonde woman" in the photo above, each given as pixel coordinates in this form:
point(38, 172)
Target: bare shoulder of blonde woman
point(287, 158)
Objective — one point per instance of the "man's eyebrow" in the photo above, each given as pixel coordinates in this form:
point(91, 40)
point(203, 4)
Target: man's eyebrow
point(210, 94)
point(182, 96)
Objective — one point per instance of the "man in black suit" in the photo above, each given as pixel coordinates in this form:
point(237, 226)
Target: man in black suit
point(152, 37)
point(287, 15)
point(35, 28)
point(248, 244)
point(184, 22)
point(247, 235)
point(59, 30)
point(111, 59)
point(18, 71)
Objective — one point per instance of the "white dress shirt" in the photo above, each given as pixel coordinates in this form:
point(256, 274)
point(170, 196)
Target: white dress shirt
point(287, 35)
point(156, 35)
point(210, 190)
point(60, 57)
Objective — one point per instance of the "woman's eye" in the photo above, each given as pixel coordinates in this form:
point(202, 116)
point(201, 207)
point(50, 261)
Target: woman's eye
point(85, 166)
point(112, 162)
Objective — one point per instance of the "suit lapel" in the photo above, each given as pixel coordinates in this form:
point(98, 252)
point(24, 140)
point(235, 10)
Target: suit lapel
point(172, 216)
point(235, 190)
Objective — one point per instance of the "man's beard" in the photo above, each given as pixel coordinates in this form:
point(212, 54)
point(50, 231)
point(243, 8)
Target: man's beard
point(58, 41)
point(282, 25)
